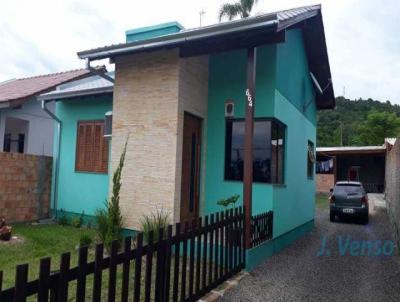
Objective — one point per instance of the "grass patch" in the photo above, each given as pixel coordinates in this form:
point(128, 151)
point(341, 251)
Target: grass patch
point(39, 241)
point(321, 201)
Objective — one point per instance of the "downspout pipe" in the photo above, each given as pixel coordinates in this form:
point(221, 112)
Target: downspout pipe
point(100, 73)
point(57, 155)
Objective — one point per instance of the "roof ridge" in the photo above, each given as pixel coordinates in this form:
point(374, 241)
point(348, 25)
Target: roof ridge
point(315, 6)
point(52, 74)
point(7, 81)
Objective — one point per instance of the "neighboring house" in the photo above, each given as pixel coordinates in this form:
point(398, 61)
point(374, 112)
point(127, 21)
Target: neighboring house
point(24, 126)
point(180, 100)
point(364, 163)
point(81, 182)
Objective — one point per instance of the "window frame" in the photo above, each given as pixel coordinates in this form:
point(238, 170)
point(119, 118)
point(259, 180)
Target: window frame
point(311, 169)
point(258, 119)
point(105, 141)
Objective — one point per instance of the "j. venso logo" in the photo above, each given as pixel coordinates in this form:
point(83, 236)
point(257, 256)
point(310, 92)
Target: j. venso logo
point(347, 246)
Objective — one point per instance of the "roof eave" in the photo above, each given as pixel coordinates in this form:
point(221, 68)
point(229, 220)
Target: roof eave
point(72, 94)
point(175, 40)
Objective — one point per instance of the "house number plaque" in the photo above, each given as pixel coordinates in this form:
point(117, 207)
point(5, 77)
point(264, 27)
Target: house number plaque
point(249, 98)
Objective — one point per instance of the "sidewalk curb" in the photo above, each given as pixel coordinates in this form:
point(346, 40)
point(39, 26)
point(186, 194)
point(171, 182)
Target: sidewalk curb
point(216, 294)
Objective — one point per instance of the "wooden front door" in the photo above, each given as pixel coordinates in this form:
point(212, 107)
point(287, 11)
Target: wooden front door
point(190, 168)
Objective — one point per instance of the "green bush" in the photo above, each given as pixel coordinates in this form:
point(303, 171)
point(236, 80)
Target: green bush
point(63, 219)
point(85, 240)
point(102, 223)
point(109, 220)
point(77, 221)
point(154, 222)
point(229, 201)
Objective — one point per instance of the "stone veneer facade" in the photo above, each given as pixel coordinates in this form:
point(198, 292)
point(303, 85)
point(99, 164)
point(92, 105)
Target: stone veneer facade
point(151, 93)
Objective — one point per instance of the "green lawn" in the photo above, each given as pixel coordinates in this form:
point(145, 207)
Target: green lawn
point(321, 201)
point(51, 241)
point(39, 241)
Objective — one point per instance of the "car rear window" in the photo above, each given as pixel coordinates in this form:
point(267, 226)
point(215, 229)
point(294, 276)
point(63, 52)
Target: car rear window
point(347, 189)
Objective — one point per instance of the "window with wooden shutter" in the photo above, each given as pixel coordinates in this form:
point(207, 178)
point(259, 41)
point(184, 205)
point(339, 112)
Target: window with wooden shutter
point(91, 147)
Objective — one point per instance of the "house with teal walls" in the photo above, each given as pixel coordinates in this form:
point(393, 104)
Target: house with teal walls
point(207, 113)
point(80, 105)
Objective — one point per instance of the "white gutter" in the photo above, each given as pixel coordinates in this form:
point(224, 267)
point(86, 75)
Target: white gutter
point(57, 155)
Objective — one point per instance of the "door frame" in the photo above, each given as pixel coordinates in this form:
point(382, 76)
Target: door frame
point(199, 163)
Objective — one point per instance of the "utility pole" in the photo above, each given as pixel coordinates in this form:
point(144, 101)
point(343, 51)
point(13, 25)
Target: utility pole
point(201, 13)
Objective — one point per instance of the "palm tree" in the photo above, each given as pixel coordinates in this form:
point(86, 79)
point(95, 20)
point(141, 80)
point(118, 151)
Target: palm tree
point(241, 8)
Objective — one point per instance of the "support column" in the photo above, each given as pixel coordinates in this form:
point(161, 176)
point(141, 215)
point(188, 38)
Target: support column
point(248, 141)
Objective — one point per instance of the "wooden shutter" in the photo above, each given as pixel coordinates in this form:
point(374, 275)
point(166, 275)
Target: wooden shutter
point(91, 147)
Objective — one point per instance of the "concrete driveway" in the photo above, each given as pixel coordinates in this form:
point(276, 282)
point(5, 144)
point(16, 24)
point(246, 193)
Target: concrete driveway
point(341, 272)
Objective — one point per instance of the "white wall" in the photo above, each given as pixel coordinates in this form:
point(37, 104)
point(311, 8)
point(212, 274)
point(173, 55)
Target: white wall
point(39, 140)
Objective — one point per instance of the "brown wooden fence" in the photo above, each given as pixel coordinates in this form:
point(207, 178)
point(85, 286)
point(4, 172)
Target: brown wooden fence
point(185, 263)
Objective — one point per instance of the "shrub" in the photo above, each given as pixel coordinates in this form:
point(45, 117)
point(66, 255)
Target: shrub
point(85, 240)
point(154, 222)
point(109, 220)
point(77, 221)
point(102, 223)
point(63, 219)
point(229, 201)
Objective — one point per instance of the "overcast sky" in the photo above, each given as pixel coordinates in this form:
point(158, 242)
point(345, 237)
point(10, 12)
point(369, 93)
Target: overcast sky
point(43, 36)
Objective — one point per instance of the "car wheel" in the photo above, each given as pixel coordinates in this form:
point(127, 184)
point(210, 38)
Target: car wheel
point(332, 217)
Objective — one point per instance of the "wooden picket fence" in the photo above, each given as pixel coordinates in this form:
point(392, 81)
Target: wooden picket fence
point(183, 264)
point(261, 228)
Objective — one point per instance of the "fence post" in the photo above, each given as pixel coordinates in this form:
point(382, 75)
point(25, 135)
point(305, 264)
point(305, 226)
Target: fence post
point(160, 267)
point(21, 280)
point(44, 274)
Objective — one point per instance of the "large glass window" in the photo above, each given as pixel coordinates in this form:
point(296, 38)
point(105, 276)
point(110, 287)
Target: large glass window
point(268, 150)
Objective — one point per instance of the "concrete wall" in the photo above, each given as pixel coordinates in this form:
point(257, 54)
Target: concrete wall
point(80, 191)
point(39, 135)
point(25, 182)
point(393, 187)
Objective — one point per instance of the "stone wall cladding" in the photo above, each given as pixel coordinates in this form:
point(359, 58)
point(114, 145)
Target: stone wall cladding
point(151, 93)
point(145, 106)
point(325, 182)
point(193, 99)
point(392, 188)
point(25, 186)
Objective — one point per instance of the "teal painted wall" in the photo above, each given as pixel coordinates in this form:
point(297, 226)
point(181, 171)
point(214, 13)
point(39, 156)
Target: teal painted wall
point(227, 80)
point(80, 191)
point(294, 202)
point(292, 74)
point(283, 86)
point(149, 32)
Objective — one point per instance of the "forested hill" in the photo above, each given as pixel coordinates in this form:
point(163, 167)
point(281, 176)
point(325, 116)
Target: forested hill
point(358, 123)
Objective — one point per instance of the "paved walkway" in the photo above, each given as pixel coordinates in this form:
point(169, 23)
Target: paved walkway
point(298, 273)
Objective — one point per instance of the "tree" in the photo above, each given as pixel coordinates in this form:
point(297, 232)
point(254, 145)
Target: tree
point(115, 222)
point(241, 8)
point(377, 127)
point(344, 122)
